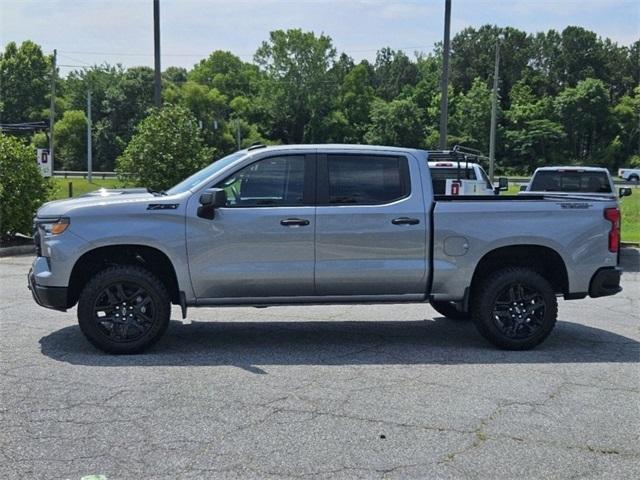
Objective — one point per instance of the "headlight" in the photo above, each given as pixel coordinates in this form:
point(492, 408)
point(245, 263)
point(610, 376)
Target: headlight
point(54, 226)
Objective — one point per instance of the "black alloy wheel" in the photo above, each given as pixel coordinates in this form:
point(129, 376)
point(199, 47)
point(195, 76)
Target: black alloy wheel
point(514, 308)
point(124, 309)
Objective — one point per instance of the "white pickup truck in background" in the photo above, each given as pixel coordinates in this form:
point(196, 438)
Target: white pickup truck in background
point(573, 181)
point(629, 174)
point(453, 174)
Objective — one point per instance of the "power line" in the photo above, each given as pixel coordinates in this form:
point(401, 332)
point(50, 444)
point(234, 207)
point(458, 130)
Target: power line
point(74, 59)
point(140, 54)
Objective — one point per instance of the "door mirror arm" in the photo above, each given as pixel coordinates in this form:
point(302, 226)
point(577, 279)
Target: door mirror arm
point(210, 200)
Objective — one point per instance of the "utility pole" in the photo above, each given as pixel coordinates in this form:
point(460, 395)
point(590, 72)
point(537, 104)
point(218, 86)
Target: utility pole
point(494, 113)
point(89, 155)
point(52, 107)
point(238, 138)
point(156, 52)
point(444, 102)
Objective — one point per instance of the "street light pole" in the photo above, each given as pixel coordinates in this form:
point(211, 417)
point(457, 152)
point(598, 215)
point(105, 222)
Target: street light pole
point(89, 154)
point(444, 102)
point(52, 107)
point(494, 113)
point(156, 53)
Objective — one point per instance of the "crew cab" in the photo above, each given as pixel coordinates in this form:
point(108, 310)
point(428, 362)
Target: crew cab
point(321, 224)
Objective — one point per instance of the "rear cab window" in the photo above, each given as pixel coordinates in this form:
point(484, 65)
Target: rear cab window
point(570, 181)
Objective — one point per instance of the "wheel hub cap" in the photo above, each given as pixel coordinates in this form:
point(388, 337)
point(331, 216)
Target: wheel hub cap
point(519, 311)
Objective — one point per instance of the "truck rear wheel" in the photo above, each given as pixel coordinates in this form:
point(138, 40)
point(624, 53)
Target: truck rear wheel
point(514, 308)
point(449, 310)
point(124, 309)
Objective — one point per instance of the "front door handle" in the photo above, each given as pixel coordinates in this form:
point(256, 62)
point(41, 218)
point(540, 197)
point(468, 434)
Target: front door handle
point(292, 222)
point(405, 221)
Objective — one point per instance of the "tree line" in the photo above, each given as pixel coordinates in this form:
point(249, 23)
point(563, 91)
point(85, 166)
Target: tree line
point(566, 97)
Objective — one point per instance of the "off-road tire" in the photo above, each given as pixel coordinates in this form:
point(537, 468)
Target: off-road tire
point(485, 297)
point(449, 310)
point(156, 308)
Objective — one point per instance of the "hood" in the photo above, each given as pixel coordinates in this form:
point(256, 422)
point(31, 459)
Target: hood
point(106, 192)
point(59, 208)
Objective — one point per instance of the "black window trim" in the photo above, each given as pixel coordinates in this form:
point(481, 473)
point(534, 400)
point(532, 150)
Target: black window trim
point(308, 189)
point(322, 176)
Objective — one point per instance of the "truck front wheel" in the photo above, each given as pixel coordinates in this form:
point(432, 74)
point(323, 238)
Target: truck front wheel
point(124, 309)
point(514, 308)
point(449, 310)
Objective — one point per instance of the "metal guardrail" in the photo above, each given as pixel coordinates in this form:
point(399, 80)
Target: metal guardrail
point(78, 173)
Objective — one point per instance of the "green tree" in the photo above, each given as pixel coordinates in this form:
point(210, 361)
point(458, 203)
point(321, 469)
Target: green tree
point(227, 73)
point(584, 112)
point(625, 118)
point(298, 83)
point(22, 187)
point(354, 103)
point(70, 134)
point(24, 81)
point(125, 104)
point(393, 72)
point(119, 100)
point(473, 56)
point(210, 108)
point(175, 75)
point(166, 148)
point(396, 123)
point(533, 137)
point(470, 120)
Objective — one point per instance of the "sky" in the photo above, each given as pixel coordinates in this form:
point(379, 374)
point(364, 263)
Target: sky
point(88, 32)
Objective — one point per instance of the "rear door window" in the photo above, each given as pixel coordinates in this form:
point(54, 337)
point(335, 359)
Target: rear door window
point(365, 179)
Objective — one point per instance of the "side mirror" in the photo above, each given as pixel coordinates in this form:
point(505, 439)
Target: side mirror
point(503, 185)
point(523, 188)
point(624, 192)
point(211, 199)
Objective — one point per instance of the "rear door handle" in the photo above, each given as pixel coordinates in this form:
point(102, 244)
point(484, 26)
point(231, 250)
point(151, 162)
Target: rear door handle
point(292, 222)
point(405, 221)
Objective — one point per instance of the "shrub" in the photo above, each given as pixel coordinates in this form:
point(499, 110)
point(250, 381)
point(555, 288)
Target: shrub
point(166, 148)
point(22, 187)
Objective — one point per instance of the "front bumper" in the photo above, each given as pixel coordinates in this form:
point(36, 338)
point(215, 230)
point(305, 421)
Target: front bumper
point(48, 297)
point(606, 281)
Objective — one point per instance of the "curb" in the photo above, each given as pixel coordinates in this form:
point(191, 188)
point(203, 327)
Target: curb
point(17, 250)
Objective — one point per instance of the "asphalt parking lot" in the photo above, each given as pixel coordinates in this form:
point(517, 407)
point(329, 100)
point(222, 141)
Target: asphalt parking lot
point(392, 391)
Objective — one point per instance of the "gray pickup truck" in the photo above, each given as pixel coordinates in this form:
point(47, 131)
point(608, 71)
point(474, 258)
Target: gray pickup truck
point(318, 224)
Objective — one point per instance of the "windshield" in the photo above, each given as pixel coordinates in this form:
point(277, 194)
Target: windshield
point(570, 181)
point(205, 173)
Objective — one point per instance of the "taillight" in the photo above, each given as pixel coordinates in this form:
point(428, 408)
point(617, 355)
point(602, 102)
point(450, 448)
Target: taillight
point(613, 215)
